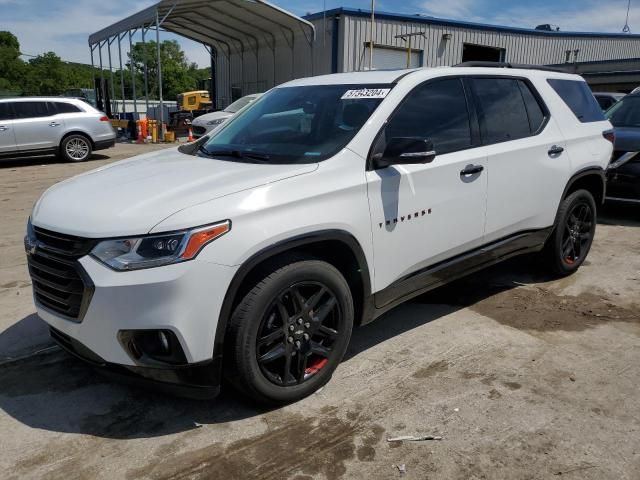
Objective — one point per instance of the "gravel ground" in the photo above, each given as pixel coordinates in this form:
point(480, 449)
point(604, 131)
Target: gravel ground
point(522, 376)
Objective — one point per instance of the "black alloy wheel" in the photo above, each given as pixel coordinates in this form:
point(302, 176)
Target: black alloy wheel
point(577, 235)
point(290, 330)
point(569, 243)
point(297, 334)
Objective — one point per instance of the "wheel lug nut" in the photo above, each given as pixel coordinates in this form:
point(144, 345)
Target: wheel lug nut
point(290, 339)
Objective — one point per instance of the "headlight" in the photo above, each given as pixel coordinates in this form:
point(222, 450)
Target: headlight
point(155, 250)
point(217, 121)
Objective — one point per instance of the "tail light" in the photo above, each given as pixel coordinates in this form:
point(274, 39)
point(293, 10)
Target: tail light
point(104, 118)
point(609, 135)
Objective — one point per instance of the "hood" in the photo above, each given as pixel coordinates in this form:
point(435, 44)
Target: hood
point(131, 197)
point(207, 117)
point(627, 139)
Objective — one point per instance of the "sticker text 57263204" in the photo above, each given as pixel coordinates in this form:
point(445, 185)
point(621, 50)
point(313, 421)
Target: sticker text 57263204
point(365, 93)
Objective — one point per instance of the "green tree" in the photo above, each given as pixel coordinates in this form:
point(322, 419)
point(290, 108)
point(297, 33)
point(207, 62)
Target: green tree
point(12, 68)
point(178, 74)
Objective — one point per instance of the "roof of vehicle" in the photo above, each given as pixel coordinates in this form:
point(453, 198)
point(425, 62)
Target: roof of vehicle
point(44, 99)
point(392, 76)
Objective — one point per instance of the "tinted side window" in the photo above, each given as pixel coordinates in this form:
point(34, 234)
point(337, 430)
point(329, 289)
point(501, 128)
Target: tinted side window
point(435, 111)
point(5, 111)
point(30, 109)
point(534, 109)
point(503, 115)
point(62, 107)
point(578, 97)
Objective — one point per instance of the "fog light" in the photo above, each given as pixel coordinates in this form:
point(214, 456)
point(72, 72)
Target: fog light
point(152, 347)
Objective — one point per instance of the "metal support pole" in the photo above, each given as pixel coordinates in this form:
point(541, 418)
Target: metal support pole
point(101, 76)
point(373, 20)
point(213, 57)
point(159, 67)
point(121, 75)
point(113, 92)
point(133, 77)
point(146, 77)
point(93, 73)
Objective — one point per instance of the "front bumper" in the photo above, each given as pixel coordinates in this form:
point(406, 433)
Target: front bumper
point(184, 298)
point(199, 381)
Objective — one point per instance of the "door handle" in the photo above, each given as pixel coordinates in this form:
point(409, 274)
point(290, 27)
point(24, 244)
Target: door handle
point(3, 128)
point(555, 150)
point(54, 124)
point(471, 170)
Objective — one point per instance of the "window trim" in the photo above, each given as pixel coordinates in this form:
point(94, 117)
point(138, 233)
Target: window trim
point(536, 96)
point(474, 123)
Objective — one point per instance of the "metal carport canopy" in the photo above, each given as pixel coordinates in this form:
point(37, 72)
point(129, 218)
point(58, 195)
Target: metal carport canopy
point(238, 25)
point(231, 27)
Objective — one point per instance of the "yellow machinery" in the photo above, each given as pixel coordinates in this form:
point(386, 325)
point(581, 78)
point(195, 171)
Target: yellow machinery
point(196, 100)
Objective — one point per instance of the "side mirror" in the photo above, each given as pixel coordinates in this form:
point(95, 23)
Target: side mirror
point(404, 151)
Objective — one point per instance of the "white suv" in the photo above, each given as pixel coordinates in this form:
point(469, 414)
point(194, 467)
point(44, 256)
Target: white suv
point(68, 127)
point(252, 254)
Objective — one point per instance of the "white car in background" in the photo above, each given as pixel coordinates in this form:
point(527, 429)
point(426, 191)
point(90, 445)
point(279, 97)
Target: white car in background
point(205, 123)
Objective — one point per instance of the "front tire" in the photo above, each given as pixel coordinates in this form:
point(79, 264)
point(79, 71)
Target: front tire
point(289, 332)
point(75, 148)
point(572, 236)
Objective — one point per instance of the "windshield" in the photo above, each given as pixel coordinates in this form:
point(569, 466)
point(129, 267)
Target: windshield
point(297, 124)
point(625, 113)
point(238, 104)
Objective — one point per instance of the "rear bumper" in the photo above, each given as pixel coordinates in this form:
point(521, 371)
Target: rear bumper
point(199, 381)
point(102, 144)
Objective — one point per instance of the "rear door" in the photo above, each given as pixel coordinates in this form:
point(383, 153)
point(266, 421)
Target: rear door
point(7, 135)
point(525, 148)
point(422, 214)
point(36, 127)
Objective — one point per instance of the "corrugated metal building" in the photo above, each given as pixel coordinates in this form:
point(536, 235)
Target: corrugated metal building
point(342, 45)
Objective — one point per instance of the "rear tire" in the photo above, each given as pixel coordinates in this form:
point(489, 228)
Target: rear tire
point(289, 332)
point(75, 148)
point(572, 236)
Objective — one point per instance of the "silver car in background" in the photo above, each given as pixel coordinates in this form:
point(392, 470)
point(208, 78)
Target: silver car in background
point(207, 122)
point(68, 127)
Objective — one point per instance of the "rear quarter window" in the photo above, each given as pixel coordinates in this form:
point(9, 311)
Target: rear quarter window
point(578, 97)
point(62, 107)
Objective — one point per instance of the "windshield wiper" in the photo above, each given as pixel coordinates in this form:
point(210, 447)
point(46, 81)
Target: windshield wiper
point(262, 157)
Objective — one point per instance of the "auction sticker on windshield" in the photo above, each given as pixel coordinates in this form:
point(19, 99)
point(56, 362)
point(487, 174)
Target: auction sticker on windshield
point(366, 93)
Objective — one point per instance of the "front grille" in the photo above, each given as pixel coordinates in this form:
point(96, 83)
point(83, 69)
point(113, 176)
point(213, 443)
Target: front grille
point(59, 281)
point(198, 130)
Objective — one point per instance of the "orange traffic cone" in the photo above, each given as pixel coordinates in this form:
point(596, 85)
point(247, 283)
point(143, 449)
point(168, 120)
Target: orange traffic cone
point(140, 139)
point(190, 139)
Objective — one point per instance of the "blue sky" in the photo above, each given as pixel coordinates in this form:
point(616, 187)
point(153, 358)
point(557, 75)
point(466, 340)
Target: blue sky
point(63, 25)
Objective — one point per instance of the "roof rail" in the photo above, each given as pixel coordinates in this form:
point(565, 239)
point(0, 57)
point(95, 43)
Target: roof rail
point(510, 65)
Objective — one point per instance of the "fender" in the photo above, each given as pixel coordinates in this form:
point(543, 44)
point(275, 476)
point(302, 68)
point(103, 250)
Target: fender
point(583, 173)
point(280, 247)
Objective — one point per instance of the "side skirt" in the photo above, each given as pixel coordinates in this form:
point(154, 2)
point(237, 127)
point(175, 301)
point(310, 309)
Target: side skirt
point(454, 268)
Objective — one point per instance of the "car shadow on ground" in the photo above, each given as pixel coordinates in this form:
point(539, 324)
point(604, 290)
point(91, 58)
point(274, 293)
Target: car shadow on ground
point(56, 392)
point(17, 162)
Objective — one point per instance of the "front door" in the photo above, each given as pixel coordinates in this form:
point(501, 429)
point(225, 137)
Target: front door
point(422, 214)
point(35, 127)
